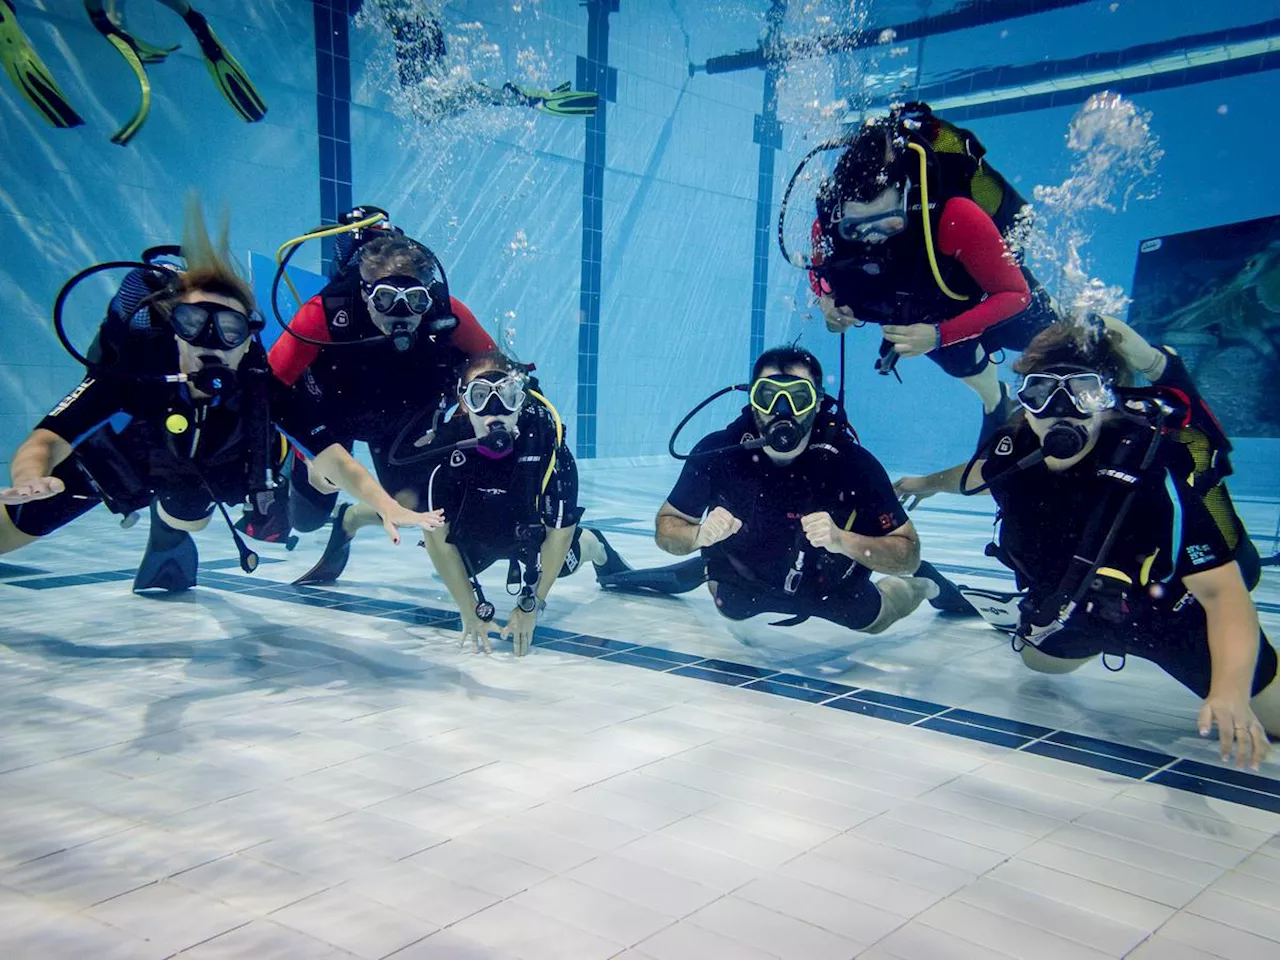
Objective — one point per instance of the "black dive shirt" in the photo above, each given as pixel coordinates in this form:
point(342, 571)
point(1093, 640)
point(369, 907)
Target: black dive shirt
point(770, 498)
point(135, 412)
point(484, 499)
point(1167, 534)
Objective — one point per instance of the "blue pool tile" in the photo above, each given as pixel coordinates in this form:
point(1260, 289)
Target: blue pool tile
point(786, 690)
point(999, 723)
point(635, 659)
point(671, 656)
point(603, 643)
point(877, 710)
point(554, 633)
point(715, 676)
point(1109, 749)
point(900, 703)
point(1125, 768)
point(810, 683)
point(1219, 791)
point(741, 669)
point(1239, 778)
point(565, 646)
point(10, 570)
point(968, 731)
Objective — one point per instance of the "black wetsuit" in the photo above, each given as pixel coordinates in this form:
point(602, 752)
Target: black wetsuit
point(117, 428)
point(752, 568)
point(486, 500)
point(1172, 530)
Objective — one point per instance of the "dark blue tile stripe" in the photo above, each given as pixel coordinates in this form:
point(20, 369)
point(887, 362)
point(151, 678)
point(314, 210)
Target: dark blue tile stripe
point(1121, 759)
point(1220, 791)
point(333, 114)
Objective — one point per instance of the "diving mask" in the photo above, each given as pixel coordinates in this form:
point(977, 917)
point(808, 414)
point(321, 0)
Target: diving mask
point(492, 394)
point(1074, 395)
point(873, 226)
point(213, 325)
point(800, 394)
point(398, 296)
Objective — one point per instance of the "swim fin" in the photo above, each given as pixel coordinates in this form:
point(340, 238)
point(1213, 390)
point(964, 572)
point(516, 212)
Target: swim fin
point(336, 554)
point(613, 562)
point(171, 560)
point(228, 75)
point(128, 48)
point(949, 598)
point(560, 102)
point(669, 580)
point(30, 75)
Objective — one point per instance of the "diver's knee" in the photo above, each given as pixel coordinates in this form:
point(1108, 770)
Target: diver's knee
point(11, 538)
point(1043, 663)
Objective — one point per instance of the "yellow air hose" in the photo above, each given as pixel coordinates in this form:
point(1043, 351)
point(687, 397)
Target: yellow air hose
point(316, 235)
point(928, 224)
point(555, 415)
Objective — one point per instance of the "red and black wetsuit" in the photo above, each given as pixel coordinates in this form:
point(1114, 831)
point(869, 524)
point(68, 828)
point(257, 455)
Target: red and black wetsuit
point(892, 283)
point(368, 392)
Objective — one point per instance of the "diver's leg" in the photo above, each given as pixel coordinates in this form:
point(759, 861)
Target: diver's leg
point(897, 597)
point(11, 538)
point(591, 547)
point(986, 384)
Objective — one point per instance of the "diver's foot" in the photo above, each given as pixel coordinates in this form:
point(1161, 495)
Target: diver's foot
point(170, 562)
point(996, 418)
point(336, 553)
point(613, 562)
point(949, 598)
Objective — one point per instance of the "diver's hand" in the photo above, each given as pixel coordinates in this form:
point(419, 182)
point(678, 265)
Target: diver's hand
point(913, 489)
point(839, 319)
point(40, 489)
point(399, 516)
point(476, 633)
point(719, 525)
point(822, 532)
point(519, 630)
point(913, 340)
point(1238, 727)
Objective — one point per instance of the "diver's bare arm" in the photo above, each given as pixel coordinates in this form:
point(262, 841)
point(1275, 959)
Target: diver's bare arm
point(554, 550)
point(337, 465)
point(448, 563)
point(897, 552)
point(676, 533)
point(36, 458)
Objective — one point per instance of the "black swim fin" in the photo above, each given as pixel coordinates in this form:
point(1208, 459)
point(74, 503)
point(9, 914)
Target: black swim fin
point(613, 562)
point(171, 560)
point(669, 580)
point(336, 554)
point(949, 598)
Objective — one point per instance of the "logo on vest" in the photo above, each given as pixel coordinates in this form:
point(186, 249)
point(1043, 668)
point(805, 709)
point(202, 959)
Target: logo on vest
point(341, 319)
point(457, 458)
point(1004, 447)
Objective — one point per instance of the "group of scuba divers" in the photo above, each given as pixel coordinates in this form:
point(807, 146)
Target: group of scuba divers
point(1112, 505)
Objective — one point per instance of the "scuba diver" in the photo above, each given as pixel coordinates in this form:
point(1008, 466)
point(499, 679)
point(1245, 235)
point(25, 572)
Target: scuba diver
point(1115, 518)
point(178, 412)
point(377, 347)
point(500, 471)
point(228, 76)
point(421, 55)
point(910, 234)
point(790, 513)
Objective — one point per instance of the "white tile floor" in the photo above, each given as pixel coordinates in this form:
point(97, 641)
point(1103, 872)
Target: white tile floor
point(224, 775)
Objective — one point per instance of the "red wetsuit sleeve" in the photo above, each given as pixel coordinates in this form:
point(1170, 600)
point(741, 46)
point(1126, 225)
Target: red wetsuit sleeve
point(468, 336)
point(820, 287)
point(289, 357)
point(971, 237)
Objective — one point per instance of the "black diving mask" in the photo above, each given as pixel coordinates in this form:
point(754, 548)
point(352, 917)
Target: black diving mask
point(213, 325)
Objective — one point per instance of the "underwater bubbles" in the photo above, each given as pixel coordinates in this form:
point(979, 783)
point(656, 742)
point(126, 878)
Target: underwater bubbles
point(1117, 156)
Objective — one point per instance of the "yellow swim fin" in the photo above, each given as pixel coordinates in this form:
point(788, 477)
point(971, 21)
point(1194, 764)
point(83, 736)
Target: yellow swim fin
point(127, 47)
point(560, 102)
point(29, 74)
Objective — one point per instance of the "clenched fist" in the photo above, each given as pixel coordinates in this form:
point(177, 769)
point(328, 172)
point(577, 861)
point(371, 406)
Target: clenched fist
point(719, 525)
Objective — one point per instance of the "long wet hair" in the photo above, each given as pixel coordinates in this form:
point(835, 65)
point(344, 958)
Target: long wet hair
point(1076, 344)
point(210, 265)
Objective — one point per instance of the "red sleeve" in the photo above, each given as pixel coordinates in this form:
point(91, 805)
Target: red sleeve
point(468, 336)
point(289, 357)
point(970, 236)
point(820, 287)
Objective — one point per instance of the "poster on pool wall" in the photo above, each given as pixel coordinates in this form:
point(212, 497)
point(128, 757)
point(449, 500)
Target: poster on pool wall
point(1214, 296)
